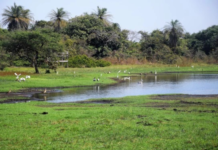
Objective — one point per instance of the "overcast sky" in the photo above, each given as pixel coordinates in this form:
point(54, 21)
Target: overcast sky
point(134, 15)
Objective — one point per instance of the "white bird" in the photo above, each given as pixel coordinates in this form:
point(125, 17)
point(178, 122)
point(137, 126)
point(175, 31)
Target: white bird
point(17, 74)
point(44, 91)
point(27, 76)
point(9, 91)
point(192, 66)
point(22, 79)
point(140, 82)
point(98, 79)
point(126, 78)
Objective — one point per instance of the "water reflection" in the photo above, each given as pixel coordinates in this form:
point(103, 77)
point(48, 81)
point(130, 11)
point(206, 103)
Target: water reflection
point(142, 85)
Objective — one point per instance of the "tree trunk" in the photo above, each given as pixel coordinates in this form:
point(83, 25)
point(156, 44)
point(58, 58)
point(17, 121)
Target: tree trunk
point(35, 63)
point(36, 67)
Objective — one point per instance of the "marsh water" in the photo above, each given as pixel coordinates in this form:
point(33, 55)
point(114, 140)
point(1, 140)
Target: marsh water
point(172, 83)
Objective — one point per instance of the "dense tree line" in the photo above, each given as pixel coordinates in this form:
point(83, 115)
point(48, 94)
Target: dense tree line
point(94, 35)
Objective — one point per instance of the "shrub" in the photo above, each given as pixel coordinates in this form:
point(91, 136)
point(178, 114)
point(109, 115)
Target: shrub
point(81, 61)
point(102, 63)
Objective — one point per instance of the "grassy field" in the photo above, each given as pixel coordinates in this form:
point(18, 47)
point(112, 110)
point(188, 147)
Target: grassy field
point(141, 122)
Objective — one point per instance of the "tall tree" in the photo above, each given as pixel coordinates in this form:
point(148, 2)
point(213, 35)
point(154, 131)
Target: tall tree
point(59, 18)
point(174, 30)
point(102, 14)
point(4, 56)
point(33, 46)
point(16, 17)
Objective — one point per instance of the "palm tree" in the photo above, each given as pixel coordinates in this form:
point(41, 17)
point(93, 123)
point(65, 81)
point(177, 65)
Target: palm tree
point(59, 18)
point(116, 27)
point(16, 17)
point(102, 15)
point(175, 30)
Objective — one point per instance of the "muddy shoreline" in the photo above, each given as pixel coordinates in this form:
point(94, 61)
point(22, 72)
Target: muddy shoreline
point(27, 95)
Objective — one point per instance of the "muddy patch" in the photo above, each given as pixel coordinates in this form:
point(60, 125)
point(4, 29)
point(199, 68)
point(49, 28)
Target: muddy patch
point(25, 95)
point(157, 104)
point(12, 73)
point(181, 96)
point(99, 101)
point(185, 103)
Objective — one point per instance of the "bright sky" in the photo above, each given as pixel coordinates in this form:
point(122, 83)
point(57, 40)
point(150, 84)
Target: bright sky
point(134, 15)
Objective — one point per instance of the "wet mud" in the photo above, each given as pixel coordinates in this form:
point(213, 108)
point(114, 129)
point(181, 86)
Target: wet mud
point(24, 95)
point(182, 96)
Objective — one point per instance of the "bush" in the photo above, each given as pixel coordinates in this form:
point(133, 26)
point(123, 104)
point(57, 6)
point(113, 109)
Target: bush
point(102, 63)
point(81, 61)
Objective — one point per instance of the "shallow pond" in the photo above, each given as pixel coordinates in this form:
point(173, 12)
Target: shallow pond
point(174, 83)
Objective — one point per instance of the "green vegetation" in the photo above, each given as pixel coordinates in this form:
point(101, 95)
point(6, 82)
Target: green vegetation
point(59, 18)
point(82, 61)
point(93, 40)
point(34, 46)
point(96, 36)
point(141, 122)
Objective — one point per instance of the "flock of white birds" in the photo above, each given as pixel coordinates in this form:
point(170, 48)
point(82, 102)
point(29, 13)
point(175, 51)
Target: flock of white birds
point(21, 79)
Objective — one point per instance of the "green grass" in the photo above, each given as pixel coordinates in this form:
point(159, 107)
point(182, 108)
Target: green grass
point(139, 122)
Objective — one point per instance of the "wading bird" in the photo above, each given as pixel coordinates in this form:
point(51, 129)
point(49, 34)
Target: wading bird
point(44, 91)
point(9, 91)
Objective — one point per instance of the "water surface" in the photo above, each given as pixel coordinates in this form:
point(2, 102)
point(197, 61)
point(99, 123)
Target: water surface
point(177, 83)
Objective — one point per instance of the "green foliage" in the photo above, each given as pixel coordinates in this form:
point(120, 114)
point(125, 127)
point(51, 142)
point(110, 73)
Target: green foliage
point(81, 61)
point(59, 18)
point(80, 27)
point(155, 50)
point(174, 30)
point(102, 63)
point(42, 24)
point(20, 63)
point(16, 17)
point(89, 31)
point(4, 56)
point(102, 14)
point(4, 59)
point(33, 46)
point(206, 40)
point(182, 48)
